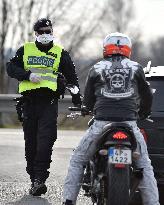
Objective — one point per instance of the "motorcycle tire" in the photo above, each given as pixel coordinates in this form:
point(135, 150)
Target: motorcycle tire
point(118, 185)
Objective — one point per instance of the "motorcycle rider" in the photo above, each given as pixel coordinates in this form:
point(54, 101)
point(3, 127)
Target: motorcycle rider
point(116, 90)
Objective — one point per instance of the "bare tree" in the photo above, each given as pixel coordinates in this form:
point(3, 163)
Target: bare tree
point(75, 28)
point(157, 50)
point(79, 21)
point(3, 34)
point(119, 16)
point(116, 16)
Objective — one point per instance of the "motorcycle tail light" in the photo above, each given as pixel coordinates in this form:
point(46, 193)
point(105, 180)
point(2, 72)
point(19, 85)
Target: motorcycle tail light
point(144, 134)
point(120, 166)
point(120, 135)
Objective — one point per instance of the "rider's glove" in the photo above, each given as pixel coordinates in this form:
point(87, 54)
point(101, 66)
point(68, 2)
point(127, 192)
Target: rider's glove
point(84, 111)
point(34, 78)
point(76, 99)
point(143, 116)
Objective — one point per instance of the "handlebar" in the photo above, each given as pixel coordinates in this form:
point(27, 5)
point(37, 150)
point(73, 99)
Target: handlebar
point(77, 112)
point(84, 111)
point(75, 109)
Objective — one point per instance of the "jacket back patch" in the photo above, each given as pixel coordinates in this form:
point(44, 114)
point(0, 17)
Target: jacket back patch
point(117, 81)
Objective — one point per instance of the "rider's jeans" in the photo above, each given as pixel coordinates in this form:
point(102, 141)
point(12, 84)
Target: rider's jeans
point(86, 149)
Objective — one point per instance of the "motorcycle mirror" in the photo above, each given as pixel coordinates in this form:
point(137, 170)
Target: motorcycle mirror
point(147, 68)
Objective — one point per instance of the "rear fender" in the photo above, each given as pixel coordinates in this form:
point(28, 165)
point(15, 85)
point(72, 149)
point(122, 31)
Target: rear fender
point(108, 140)
point(121, 143)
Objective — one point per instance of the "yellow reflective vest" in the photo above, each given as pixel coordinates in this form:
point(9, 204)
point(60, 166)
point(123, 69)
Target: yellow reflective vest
point(43, 64)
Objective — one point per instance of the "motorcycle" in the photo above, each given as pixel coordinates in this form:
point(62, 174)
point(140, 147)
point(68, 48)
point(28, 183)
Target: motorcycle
point(110, 177)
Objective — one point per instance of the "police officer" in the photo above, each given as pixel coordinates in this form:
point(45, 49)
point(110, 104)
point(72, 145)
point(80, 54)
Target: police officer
point(36, 66)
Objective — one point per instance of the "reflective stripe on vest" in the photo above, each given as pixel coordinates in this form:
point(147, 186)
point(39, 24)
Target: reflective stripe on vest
point(44, 64)
point(49, 78)
point(43, 71)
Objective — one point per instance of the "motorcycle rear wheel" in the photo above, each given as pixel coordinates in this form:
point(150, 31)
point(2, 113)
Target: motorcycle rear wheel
point(118, 185)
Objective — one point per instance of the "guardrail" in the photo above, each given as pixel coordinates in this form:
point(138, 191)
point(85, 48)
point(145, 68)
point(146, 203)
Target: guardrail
point(8, 105)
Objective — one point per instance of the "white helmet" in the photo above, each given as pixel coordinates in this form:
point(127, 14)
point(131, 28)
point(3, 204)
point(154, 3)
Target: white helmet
point(117, 43)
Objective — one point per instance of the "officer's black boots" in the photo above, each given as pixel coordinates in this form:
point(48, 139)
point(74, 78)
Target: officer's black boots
point(38, 188)
point(68, 202)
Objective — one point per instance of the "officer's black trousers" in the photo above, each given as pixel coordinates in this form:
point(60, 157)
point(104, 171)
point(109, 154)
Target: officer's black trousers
point(40, 133)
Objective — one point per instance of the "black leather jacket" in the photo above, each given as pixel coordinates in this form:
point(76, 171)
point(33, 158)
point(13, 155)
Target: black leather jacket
point(116, 90)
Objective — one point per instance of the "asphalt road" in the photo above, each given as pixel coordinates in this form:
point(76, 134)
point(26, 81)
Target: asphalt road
point(14, 182)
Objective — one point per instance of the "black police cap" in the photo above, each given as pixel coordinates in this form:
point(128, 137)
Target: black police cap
point(43, 22)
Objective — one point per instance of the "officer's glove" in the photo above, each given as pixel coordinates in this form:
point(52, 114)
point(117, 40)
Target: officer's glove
point(35, 78)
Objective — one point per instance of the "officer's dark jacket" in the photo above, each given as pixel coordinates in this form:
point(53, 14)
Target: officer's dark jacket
point(116, 89)
point(15, 69)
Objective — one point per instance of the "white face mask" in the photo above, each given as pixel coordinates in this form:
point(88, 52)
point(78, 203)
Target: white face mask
point(45, 38)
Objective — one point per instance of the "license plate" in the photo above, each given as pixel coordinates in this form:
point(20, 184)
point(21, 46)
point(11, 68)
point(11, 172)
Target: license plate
point(119, 156)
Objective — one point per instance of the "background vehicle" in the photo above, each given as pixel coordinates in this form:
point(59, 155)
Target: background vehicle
point(153, 131)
